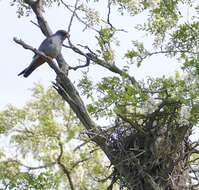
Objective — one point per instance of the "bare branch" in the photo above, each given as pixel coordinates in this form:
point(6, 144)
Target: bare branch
point(72, 16)
point(149, 54)
point(66, 46)
point(79, 66)
point(82, 66)
point(37, 9)
point(87, 48)
point(48, 59)
point(76, 15)
point(112, 67)
point(109, 12)
point(34, 23)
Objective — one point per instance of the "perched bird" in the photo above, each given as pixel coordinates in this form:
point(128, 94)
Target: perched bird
point(51, 46)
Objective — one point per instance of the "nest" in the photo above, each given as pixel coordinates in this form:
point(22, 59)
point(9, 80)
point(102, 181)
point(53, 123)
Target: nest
point(149, 158)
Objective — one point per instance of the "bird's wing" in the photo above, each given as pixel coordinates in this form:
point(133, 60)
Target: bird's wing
point(45, 45)
point(36, 62)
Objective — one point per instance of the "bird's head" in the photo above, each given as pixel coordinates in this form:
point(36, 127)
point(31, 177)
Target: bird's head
point(63, 34)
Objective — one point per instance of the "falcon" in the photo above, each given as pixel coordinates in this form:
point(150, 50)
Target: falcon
point(51, 47)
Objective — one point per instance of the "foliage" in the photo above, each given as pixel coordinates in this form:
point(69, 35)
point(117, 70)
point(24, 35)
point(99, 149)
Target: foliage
point(152, 119)
point(37, 134)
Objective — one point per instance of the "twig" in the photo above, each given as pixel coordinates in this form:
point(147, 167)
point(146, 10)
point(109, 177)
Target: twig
point(78, 18)
point(34, 23)
point(86, 47)
point(134, 125)
point(78, 67)
point(66, 46)
point(63, 167)
point(72, 16)
point(149, 54)
point(108, 15)
point(112, 67)
point(81, 145)
point(113, 181)
point(82, 66)
point(194, 172)
point(78, 162)
point(33, 167)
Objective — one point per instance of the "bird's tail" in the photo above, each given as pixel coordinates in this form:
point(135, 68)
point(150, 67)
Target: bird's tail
point(22, 72)
point(35, 63)
point(27, 71)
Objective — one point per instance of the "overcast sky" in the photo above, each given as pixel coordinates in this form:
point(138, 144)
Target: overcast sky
point(15, 90)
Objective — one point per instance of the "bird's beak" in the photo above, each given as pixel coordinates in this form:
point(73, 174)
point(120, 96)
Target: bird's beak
point(67, 35)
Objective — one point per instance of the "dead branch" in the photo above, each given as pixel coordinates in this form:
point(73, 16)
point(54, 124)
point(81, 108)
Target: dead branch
point(72, 16)
point(37, 9)
point(109, 13)
point(82, 66)
point(76, 15)
point(48, 59)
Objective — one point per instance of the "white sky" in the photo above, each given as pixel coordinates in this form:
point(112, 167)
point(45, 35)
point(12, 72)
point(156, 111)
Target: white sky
point(14, 89)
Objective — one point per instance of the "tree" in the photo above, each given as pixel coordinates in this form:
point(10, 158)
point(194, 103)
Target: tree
point(148, 144)
point(49, 147)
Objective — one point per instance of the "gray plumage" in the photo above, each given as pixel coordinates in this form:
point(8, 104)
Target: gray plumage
point(51, 46)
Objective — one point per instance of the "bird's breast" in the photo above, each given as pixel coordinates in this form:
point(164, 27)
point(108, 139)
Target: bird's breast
point(53, 50)
point(51, 47)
